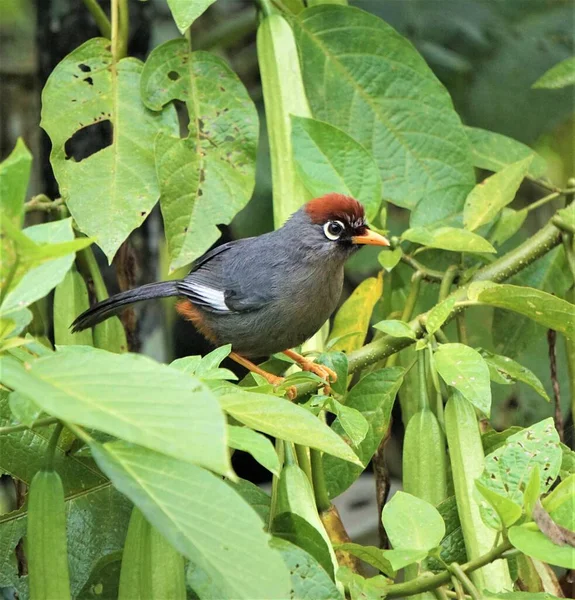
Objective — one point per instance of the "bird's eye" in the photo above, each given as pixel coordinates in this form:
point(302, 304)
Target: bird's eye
point(333, 230)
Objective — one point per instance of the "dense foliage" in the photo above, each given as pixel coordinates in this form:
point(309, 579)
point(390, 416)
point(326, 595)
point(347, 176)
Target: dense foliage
point(128, 461)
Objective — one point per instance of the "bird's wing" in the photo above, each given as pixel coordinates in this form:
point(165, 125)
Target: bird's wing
point(218, 283)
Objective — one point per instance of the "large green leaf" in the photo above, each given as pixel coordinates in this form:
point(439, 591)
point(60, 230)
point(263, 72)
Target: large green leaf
point(129, 396)
point(111, 192)
point(329, 160)
point(201, 516)
point(280, 418)
point(541, 307)
point(43, 265)
point(97, 520)
point(373, 397)
point(185, 12)
point(14, 176)
point(494, 193)
point(448, 238)
point(493, 151)
point(464, 369)
point(559, 76)
point(412, 523)
point(207, 177)
point(529, 540)
point(363, 77)
point(242, 438)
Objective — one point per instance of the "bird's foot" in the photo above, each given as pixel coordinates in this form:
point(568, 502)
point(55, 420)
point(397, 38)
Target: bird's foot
point(275, 380)
point(322, 371)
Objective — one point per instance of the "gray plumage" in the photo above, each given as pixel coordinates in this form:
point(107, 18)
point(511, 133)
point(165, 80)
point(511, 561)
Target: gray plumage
point(263, 294)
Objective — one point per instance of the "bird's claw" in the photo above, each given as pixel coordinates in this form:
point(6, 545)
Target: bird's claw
point(322, 371)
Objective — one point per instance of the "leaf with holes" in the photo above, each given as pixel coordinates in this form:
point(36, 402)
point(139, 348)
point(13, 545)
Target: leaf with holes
point(208, 177)
point(185, 12)
point(493, 151)
point(110, 192)
point(508, 469)
point(383, 94)
point(329, 160)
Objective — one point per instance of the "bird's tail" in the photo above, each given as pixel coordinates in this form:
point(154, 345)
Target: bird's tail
point(102, 310)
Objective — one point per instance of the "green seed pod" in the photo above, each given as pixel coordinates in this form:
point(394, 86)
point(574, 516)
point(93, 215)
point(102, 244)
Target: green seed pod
point(151, 567)
point(467, 463)
point(424, 458)
point(46, 544)
point(70, 300)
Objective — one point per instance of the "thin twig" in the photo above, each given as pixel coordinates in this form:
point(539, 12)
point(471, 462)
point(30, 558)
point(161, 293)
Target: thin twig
point(41, 202)
point(427, 273)
point(99, 17)
point(551, 340)
point(465, 581)
point(21, 427)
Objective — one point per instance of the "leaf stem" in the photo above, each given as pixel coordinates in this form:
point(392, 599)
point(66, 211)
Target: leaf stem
point(561, 224)
point(303, 461)
point(99, 17)
point(41, 202)
point(22, 427)
point(52, 445)
point(568, 241)
point(427, 273)
point(88, 264)
point(543, 201)
point(466, 582)
point(124, 29)
point(447, 281)
point(426, 583)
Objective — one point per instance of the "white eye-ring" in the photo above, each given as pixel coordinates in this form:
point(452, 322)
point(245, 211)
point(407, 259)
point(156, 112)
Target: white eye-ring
point(333, 230)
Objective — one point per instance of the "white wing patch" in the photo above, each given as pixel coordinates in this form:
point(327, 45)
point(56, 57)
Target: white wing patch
point(212, 297)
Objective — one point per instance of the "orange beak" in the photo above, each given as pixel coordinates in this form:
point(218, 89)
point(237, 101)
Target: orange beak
point(370, 237)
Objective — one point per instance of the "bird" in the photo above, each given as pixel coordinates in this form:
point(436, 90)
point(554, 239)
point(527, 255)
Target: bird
point(265, 294)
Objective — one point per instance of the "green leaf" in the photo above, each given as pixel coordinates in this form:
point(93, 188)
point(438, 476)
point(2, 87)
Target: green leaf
point(532, 491)
point(128, 396)
point(308, 579)
point(355, 314)
point(373, 396)
point(493, 152)
point(257, 445)
point(336, 361)
point(400, 558)
point(437, 316)
point(388, 259)
point(519, 596)
point(254, 496)
point(111, 192)
point(351, 420)
point(24, 410)
point(507, 225)
point(206, 368)
point(464, 369)
point(14, 176)
point(383, 94)
point(452, 545)
point(491, 195)
point(363, 588)
point(201, 516)
point(412, 523)
point(185, 12)
point(559, 76)
point(208, 177)
point(513, 371)
point(371, 555)
point(532, 542)
point(88, 541)
point(328, 160)
point(508, 511)
point(508, 468)
point(560, 502)
point(35, 277)
point(539, 306)
point(448, 238)
point(398, 329)
point(280, 418)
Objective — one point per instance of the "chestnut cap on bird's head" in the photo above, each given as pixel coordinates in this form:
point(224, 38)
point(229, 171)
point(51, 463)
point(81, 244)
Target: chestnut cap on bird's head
point(342, 220)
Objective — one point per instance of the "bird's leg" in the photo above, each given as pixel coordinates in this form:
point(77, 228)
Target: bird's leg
point(275, 380)
point(308, 365)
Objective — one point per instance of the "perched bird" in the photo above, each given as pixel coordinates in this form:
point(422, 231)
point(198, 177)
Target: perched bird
point(265, 294)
